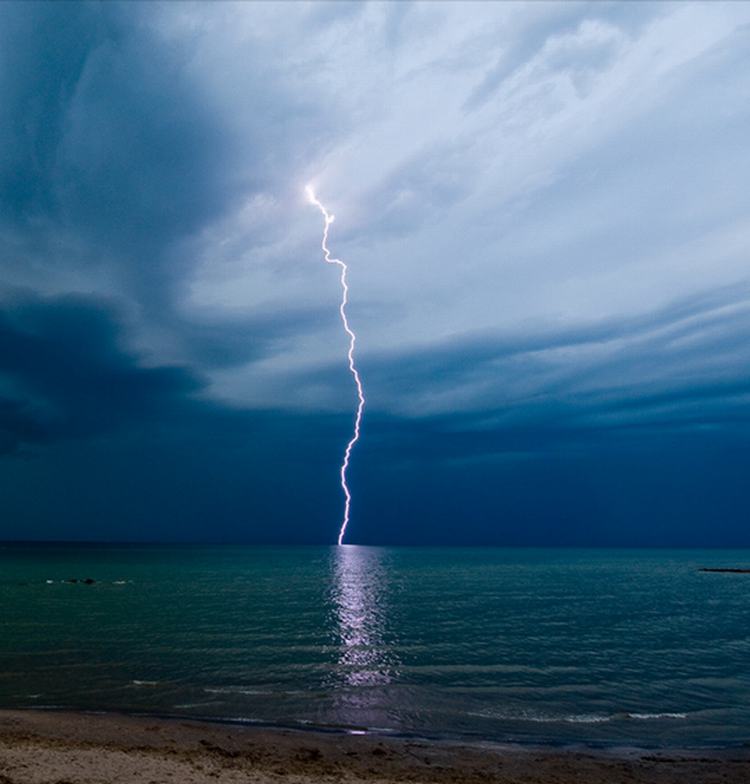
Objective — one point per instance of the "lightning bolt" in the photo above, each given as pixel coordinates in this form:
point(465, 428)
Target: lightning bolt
point(327, 221)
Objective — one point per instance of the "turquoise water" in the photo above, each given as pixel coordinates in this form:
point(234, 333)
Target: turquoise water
point(595, 646)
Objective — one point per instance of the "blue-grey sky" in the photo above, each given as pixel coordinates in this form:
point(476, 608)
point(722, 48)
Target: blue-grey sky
point(546, 214)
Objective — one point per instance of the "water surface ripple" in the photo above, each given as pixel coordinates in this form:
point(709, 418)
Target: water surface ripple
point(599, 646)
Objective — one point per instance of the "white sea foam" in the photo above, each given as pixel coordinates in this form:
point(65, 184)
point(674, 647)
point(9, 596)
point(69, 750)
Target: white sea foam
point(544, 718)
point(243, 719)
point(235, 690)
point(585, 718)
point(575, 718)
point(649, 716)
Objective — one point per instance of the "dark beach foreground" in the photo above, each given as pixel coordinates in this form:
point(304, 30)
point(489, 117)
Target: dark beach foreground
point(37, 747)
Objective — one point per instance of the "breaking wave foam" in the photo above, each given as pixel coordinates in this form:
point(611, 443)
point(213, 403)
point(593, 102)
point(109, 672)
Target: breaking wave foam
point(577, 718)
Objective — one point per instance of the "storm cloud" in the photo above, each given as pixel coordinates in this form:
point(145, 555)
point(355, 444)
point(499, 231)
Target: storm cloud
point(544, 208)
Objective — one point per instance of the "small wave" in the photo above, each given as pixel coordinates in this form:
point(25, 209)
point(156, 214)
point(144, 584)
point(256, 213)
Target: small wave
point(576, 718)
point(586, 719)
point(650, 716)
point(242, 719)
point(542, 718)
point(145, 683)
point(235, 690)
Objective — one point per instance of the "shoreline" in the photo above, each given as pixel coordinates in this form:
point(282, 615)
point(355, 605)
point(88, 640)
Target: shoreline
point(50, 745)
point(340, 730)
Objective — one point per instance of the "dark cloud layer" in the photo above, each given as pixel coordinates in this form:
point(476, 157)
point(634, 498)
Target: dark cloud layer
point(105, 138)
point(63, 358)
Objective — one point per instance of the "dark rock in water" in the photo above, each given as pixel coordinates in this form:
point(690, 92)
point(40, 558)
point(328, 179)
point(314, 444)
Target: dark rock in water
point(72, 580)
point(88, 581)
point(730, 571)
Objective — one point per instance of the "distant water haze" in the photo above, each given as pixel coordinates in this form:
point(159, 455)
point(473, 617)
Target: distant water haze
point(595, 646)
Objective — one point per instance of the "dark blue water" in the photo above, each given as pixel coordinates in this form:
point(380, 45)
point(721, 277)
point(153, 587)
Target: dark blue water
point(596, 646)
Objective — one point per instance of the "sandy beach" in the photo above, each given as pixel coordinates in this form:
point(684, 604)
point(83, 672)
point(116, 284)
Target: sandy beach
point(39, 747)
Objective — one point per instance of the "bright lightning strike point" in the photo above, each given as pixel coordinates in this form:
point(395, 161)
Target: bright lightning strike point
point(327, 221)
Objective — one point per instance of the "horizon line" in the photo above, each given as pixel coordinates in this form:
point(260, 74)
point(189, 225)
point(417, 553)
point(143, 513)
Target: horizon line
point(442, 545)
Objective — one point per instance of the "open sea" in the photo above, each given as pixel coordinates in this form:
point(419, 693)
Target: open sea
point(602, 647)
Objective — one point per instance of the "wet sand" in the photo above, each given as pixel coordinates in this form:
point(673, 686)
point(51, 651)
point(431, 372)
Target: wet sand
point(72, 748)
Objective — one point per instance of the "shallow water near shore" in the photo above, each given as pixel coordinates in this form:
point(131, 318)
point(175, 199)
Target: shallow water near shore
point(527, 645)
